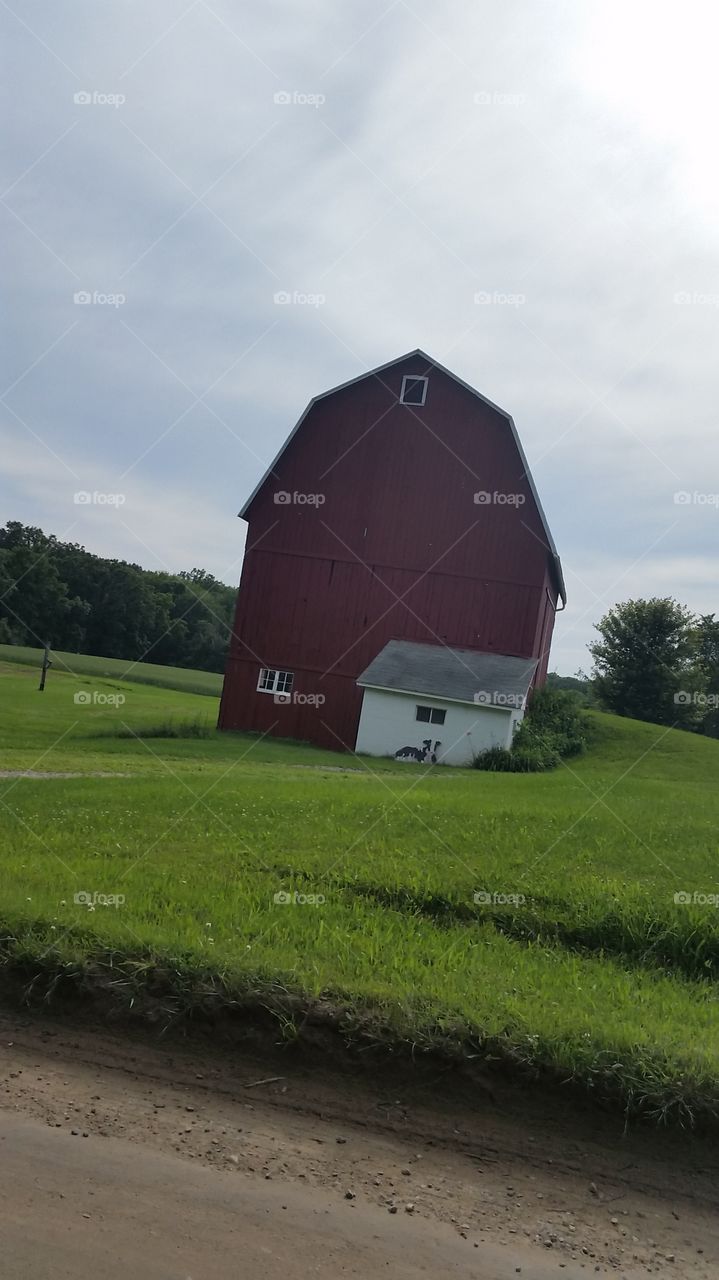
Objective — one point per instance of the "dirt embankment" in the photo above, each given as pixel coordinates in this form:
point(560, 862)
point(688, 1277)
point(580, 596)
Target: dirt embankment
point(126, 1154)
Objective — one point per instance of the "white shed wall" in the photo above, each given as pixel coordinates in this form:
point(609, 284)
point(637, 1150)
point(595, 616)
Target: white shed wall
point(388, 723)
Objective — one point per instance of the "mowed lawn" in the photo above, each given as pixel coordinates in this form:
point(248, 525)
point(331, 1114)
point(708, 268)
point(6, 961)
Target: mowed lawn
point(528, 917)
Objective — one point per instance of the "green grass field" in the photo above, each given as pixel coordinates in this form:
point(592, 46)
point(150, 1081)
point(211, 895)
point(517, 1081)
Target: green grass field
point(530, 919)
point(118, 669)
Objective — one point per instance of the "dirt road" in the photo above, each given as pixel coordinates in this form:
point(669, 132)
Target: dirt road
point(125, 1155)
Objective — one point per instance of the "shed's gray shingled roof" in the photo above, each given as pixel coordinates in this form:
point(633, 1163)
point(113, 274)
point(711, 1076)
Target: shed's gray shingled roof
point(458, 674)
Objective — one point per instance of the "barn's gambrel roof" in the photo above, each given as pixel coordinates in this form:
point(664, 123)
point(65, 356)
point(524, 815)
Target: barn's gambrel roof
point(551, 548)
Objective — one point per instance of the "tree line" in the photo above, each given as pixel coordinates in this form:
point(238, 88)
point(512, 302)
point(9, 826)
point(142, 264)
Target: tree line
point(655, 660)
point(82, 603)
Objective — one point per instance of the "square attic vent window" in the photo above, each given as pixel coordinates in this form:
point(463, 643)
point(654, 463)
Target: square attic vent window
point(414, 390)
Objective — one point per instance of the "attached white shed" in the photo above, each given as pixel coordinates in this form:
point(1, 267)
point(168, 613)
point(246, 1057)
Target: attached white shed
point(427, 702)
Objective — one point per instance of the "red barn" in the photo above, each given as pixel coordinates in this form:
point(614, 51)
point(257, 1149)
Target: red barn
point(400, 509)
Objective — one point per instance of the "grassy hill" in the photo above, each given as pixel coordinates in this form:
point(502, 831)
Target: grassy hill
point(528, 919)
point(207, 682)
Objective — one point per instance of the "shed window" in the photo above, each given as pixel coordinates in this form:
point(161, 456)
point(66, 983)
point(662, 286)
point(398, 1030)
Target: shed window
point(273, 681)
point(431, 715)
point(414, 390)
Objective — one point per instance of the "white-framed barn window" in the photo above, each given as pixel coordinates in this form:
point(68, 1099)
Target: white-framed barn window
point(431, 715)
point(414, 390)
point(272, 680)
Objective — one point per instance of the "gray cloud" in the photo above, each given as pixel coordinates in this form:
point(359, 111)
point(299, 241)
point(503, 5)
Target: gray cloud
point(484, 150)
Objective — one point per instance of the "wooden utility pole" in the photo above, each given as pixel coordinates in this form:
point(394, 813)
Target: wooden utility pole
point(46, 664)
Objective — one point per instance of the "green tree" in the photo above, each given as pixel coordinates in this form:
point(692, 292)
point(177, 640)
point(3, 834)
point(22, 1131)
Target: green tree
point(87, 604)
point(645, 664)
point(34, 603)
point(706, 642)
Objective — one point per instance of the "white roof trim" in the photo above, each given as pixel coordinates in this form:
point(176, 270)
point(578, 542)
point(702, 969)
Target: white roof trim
point(490, 403)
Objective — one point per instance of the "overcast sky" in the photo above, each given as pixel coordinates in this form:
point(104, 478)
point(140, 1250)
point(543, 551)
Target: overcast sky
point(390, 161)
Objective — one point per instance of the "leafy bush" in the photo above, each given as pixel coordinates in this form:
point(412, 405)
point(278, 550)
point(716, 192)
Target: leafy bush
point(554, 727)
point(494, 760)
point(555, 722)
point(501, 760)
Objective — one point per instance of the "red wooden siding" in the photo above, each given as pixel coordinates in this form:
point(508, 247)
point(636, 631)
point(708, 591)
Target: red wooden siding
point(320, 584)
